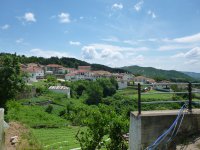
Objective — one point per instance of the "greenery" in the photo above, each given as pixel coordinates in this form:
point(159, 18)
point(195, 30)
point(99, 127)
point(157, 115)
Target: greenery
point(95, 117)
point(11, 81)
point(159, 74)
point(57, 138)
point(64, 61)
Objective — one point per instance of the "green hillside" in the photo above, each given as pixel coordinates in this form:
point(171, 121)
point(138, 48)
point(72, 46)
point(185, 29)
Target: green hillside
point(193, 75)
point(158, 74)
point(64, 61)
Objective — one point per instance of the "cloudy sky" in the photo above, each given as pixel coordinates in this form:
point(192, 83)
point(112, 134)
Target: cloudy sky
point(159, 33)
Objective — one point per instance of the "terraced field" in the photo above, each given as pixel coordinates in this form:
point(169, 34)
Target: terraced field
point(57, 139)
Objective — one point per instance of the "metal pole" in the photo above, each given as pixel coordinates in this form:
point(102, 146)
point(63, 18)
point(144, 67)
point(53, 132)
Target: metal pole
point(139, 98)
point(190, 97)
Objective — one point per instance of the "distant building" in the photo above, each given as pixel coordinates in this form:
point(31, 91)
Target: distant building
point(88, 68)
point(143, 80)
point(122, 84)
point(34, 71)
point(60, 89)
point(56, 69)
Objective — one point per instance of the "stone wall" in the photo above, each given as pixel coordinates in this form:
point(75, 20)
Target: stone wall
point(147, 127)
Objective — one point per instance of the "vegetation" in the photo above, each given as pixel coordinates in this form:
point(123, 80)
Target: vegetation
point(159, 74)
point(11, 81)
point(95, 117)
point(64, 61)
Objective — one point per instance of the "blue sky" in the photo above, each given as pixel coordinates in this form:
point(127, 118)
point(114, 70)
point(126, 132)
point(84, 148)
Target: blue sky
point(159, 33)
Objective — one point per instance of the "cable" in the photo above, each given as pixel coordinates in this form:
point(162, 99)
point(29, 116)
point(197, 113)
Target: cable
point(173, 128)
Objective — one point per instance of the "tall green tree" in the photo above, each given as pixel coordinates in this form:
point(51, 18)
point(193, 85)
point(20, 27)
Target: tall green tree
point(95, 93)
point(11, 81)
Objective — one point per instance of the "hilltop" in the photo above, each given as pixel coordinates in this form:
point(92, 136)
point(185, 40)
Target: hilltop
point(158, 74)
point(64, 61)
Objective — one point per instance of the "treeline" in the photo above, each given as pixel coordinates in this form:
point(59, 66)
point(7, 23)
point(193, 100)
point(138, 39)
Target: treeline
point(159, 74)
point(64, 61)
point(93, 91)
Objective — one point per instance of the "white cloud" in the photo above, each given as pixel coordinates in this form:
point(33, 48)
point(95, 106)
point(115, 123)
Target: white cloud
point(89, 52)
point(5, 27)
point(152, 14)
point(138, 6)
point(64, 17)
point(20, 40)
point(174, 47)
point(194, 53)
point(29, 17)
point(105, 52)
point(117, 6)
point(118, 48)
point(47, 53)
point(111, 39)
point(188, 39)
point(74, 43)
point(139, 58)
point(192, 62)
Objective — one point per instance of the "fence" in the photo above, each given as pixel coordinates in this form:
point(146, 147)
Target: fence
point(189, 92)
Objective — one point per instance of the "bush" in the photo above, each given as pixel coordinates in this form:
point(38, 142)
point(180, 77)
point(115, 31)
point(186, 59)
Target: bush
point(49, 109)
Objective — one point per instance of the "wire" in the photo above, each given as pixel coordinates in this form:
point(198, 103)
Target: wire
point(173, 129)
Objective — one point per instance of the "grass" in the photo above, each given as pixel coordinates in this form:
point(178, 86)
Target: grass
point(58, 138)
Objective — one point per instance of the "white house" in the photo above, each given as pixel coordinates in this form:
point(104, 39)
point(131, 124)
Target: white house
point(122, 84)
point(60, 89)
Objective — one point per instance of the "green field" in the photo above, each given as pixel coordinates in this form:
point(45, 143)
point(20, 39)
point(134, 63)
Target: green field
point(58, 138)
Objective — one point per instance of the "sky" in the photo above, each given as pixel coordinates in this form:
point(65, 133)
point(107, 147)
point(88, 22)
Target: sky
point(164, 34)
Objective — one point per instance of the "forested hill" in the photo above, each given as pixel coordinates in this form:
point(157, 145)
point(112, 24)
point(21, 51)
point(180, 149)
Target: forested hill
point(64, 61)
point(158, 74)
point(193, 75)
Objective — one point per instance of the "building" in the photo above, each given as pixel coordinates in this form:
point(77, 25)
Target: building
point(60, 89)
point(79, 75)
point(34, 72)
point(143, 80)
point(122, 84)
point(56, 69)
point(88, 68)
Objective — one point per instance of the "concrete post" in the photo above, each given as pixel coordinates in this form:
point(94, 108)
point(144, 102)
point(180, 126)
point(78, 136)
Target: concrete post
point(2, 135)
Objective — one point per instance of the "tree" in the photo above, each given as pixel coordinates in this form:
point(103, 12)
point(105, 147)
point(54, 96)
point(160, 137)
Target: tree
point(108, 88)
point(97, 128)
point(101, 122)
point(116, 130)
point(95, 93)
point(11, 81)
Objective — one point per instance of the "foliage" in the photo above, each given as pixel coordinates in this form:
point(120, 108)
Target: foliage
point(34, 116)
point(11, 81)
point(66, 62)
point(95, 94)
point(51, 78)
point(97, 125)
point(117, 128)
point(158, 74)
point(103, 122)
point(109, 88)
point(49, 109)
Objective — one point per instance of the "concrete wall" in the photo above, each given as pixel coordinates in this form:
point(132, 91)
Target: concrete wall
point(147, 127)
point(1, 129)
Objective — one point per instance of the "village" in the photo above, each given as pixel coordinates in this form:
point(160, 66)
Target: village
point(37, 72)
